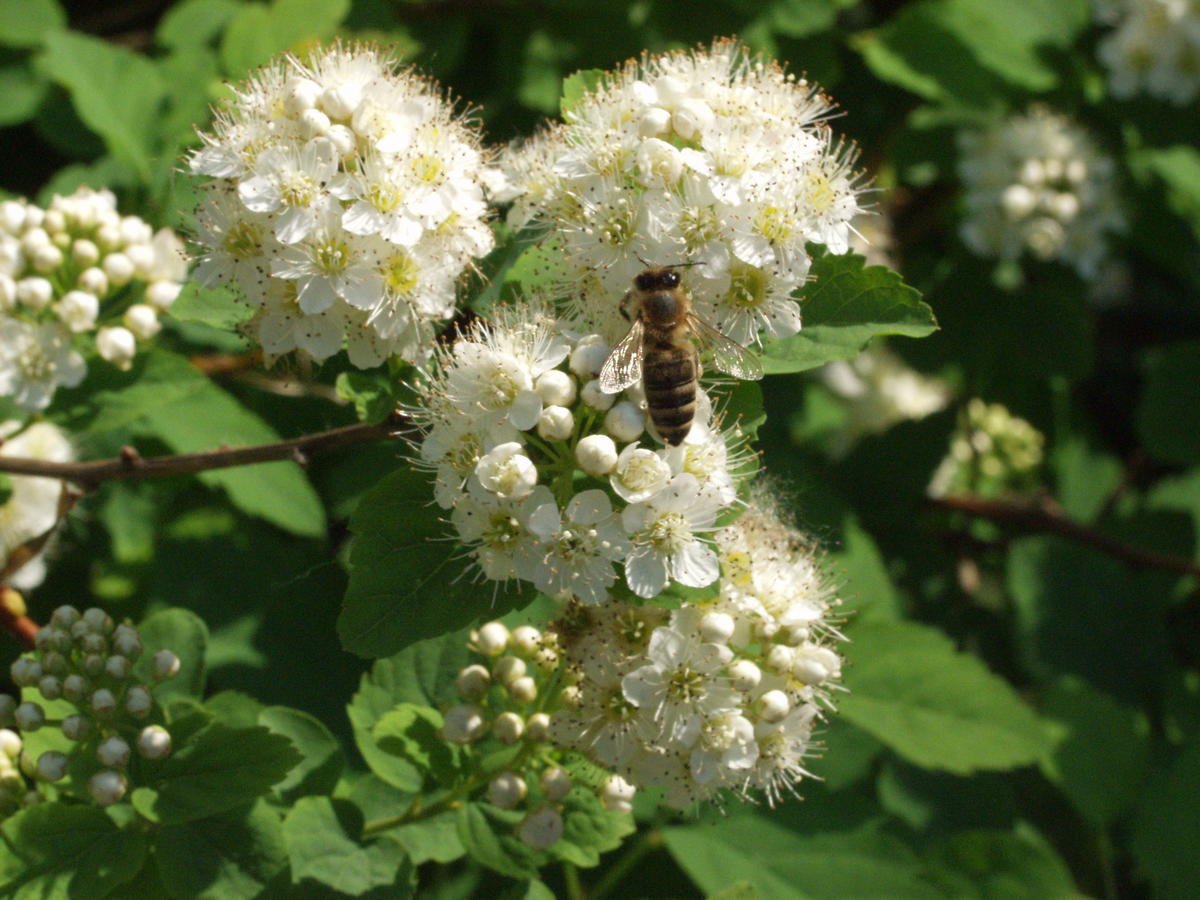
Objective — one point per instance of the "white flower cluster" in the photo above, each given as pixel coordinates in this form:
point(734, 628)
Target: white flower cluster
point(1037, 182)
point(503, 696)
point(87, 660)
point(1154, 48)
point(879, 390)
point(346, 201)
point(709, 697)
point(77, 267)
point(29, 505)
point(552, 481)
point(713, 157)
point(992, 452)
point(13, 789)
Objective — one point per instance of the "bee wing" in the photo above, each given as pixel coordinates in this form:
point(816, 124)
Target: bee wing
point(624, 365)
point(727, 355)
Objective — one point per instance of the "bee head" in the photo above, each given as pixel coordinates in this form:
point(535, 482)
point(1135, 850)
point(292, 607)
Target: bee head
point(657, 279)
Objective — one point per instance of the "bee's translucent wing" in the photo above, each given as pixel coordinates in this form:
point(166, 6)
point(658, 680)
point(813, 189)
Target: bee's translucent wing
point(623, 367)
point(727, 355)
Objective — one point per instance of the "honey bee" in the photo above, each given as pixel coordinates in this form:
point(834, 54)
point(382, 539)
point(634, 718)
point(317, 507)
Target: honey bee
point(662, 349)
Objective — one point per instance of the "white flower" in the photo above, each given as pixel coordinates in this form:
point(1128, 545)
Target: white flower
point(679, 686)
point(326, 269)
point(31, 509)
point(578, 554)
point(507, 472)
point(1153, 49)
point(295, 183)
point(281, 326)
point(34, 361)
point(497, 531)
point(639, 474)
point(116, 345)
point(726, 744)
point(663, 531)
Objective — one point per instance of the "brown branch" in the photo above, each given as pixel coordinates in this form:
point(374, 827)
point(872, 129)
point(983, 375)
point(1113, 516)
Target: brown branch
point(214, 364)
point(13, 618)
point(132, 465)
point(1045, 517)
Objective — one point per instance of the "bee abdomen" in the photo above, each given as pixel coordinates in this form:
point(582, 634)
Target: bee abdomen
point(669, 381)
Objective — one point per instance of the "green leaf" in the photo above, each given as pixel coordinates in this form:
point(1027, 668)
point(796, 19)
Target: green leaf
point(490, 842)
point(183, 633)
point(1166, 827)
point(60, 851)
point(589, 829)
point(21, 93)
point(847, 754)
point(217, 307)
point(434, 839)
point(800, 18)
point(1101, 754)
point(374, 394)
point(848, 305)
point(422, 674)
point(1179, 169)
point(413, 734)
point(259, 32)
point(215, 770)
point(1086, 478)
point(194, 22)
point(116, 92)
point(934, 706)
point(320, 849)
point(25, 23)
point(867, 588)
point(995, 864)
point(234, 855)
point(576, 86)
point(407, 579)
point(970, 52)
point(781, 864)
point(1166, 417)
point(321, 767)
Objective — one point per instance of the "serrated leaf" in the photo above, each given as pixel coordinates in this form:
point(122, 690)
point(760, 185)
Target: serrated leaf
point(1166, 827)
point(321, 766)
point(781, 864)
point(25, 23)
point(1166, 415)
point(233, 855)
point(971, 52)
point(1100, 757)
point(412, 733)
point(576, 86)
point(217, 307)
point(408, 580)
point(320, 849)
point(58, 851)
point(116, 92)
point(589, 829)
point(217, 769)
point(936, 707)
point(434, 839)
point(183, 633)
point(847, 306)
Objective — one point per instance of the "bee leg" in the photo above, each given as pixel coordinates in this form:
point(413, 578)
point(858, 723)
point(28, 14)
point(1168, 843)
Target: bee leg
point(624, 307)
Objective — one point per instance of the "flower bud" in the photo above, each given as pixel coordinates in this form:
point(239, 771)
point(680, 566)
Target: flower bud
point(541, 829)
point(142, 320)
point(592, 396)
point(523, 690)
point(537, 728)
point(716, 627)
point(103, 703)
point(29, 716)
point(107, 787)
point(64, 616)
point(154, 742)
point(588, 357)
point(340, 101)
point(617, 794)
point(300, 94)
point(508, 727)
point(556, 784)
point(507, 790)
point(773, 706)
point(93, 280)
point(96, 644)
point(84, 253)
point(50, 687)
point(472, 682)
point(744, 675)
point(8, 290)
point(343, 140)
point(162, 294)
point(556, 388)
point(25, 671)
point(526, 639)
point(625, 422)
point(52, 766)
point(116, 346)
point(35, 293)
point(99, 621)
point(163, 665)
point(555, 423)
point(76, 727)
point(78, 310)
point(464, 724)
point(571, 695)
point(780, 658)
point(127, 642)
point(314, 123)
point(46, 258)
point(119, 268)
point(492, 639)
point(113, 752)
point(117, 668)
point(10, 743)
point(92, 665)
point(816, 665)
point(138, 702)
point(508, 669)
point(75, 687)
point(596, 454)
point(654, 121)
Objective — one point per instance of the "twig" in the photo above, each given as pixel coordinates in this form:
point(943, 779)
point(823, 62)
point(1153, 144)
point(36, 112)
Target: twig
point(1045, 517)
point(132, 465)
point(13, 619)
point(212, 364)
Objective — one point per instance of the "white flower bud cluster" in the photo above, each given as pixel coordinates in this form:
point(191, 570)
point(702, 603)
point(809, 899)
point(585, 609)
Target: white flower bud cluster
point(77, 267)
point(503, 697)
point(29, 505)
point(550, 480)
point(992, 452)
point(878, 391)
point(14, 790)
point(345, 203)
point(712, 157)
point(87, 660)
point(1037, 182)
point(1154, 48)
point(709, 697)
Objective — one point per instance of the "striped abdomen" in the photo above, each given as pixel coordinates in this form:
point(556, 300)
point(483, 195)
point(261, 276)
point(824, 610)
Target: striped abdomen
point(669, 373)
